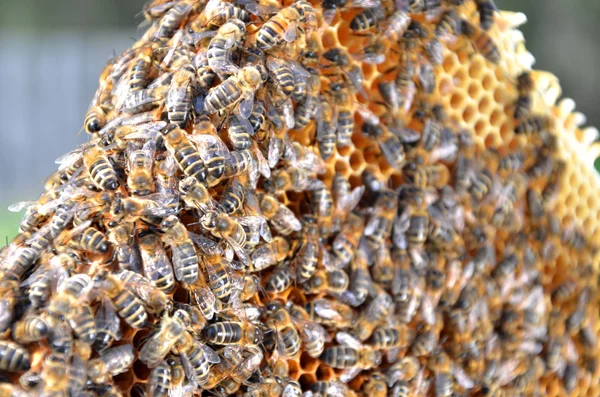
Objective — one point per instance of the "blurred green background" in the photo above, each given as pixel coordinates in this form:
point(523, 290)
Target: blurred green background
point(52, 51)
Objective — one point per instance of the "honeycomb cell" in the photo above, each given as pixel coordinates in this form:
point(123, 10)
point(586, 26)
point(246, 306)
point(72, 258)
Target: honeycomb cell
point(474, 90)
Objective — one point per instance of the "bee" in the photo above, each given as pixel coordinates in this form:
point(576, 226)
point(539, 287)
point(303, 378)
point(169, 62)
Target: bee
point(238, 88)
point(534, 125)
point(346, 241)
point(281, 27)
point(333, 281)
point(351, 356)
point(481, 184)
point(345, 114)
point(351, 70)
point(112, 362)
point(286, 75)
point(281, 218)
point(144, 100)
point(330, 313)
point(69, 293)
point(486, 9)
point(82, 322)
point(233, 332)
point(512, 162)
point(270, 386)
point(360, 280)
point(230, 35)
point(287, 336)
point(173, 18)
point(424, 343)
point(216, 13)
point(307, 106)
point(375, 385)
point(326, 127)
point(139, 73)
point(195, 195)
point(54, 374)
point(426, 76)
point(126, 253)
point(306, 258)
point(239, 132)
point(155, 299)
point(379, 226)
point(280, 280)
point(30, 329)
point(482, 42)
point(219, 279)
point(269, 254)
point(9, 293)
point(376, 312)
point(95, 120)
point(449, 27)
point(185, 259)
point(366, 20)
point(15, 357)
point(107, 326)
point(257, 116)
point(571, 377)
point(156, 263)
point(391, 337)
point(238, 163)
point(128, 306)
point(100, 168)
point(292, 179)
point(525, 85)
point(160, 380)
point(205, 77)
point(140, 161)
point(179, 96)
point(390, 145)
point(507, 199)
point(171, 330)
point(330, 389)
point(346, 199)
point(185, 154)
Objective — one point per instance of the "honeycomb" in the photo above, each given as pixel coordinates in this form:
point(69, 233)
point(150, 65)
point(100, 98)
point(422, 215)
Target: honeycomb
point(443, 246)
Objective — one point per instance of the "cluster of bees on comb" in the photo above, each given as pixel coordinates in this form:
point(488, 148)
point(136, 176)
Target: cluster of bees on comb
point(275, 201)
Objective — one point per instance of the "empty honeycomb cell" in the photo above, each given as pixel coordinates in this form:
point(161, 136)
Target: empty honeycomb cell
point(485, 105)
point(491, 141)
point(489, 82)
point(457, 101)
point(308, 363)
point(507, 132)
point(345, 151)
point(500, 95)
point(140, 370)
point(124, 380)
point(450, 63)
point(474, 90)
point(295, 369)
point(476, 69)
point(497, 118)
point(307, 379)
point(341, 166)
point(480, 128)
point(329, 39)
point(469, 114)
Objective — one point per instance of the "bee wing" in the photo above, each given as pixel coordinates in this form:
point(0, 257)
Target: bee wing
point(208, 246)
point(257, 223)
point(174, 44)
point(263, 164)
point(159, 9)
point(162, 81)
point(311, 162)
point(260, 10)
point(210, 355)
point(17, 207)
point(245, 106)
point(324, 309)
point(225, 65)
point(206, 142)
point(300, 73)
point(507, 371)
point(291, 391)
point(350, 373)
point(370, 57)
point(290, 33)
point(238, 249)
point(408, 94)
point(355, 75)
point(188, 369)
point(246, 125)
point(288, 113)
point(346, 339)
point(176, 95)
point(428, 310)
point(365, 3)
point(348, 203)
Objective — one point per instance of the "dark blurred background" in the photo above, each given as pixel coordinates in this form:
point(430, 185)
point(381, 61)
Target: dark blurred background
point(52, 52)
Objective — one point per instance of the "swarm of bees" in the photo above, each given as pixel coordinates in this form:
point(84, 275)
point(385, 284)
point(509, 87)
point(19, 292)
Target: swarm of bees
point(294, 200)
